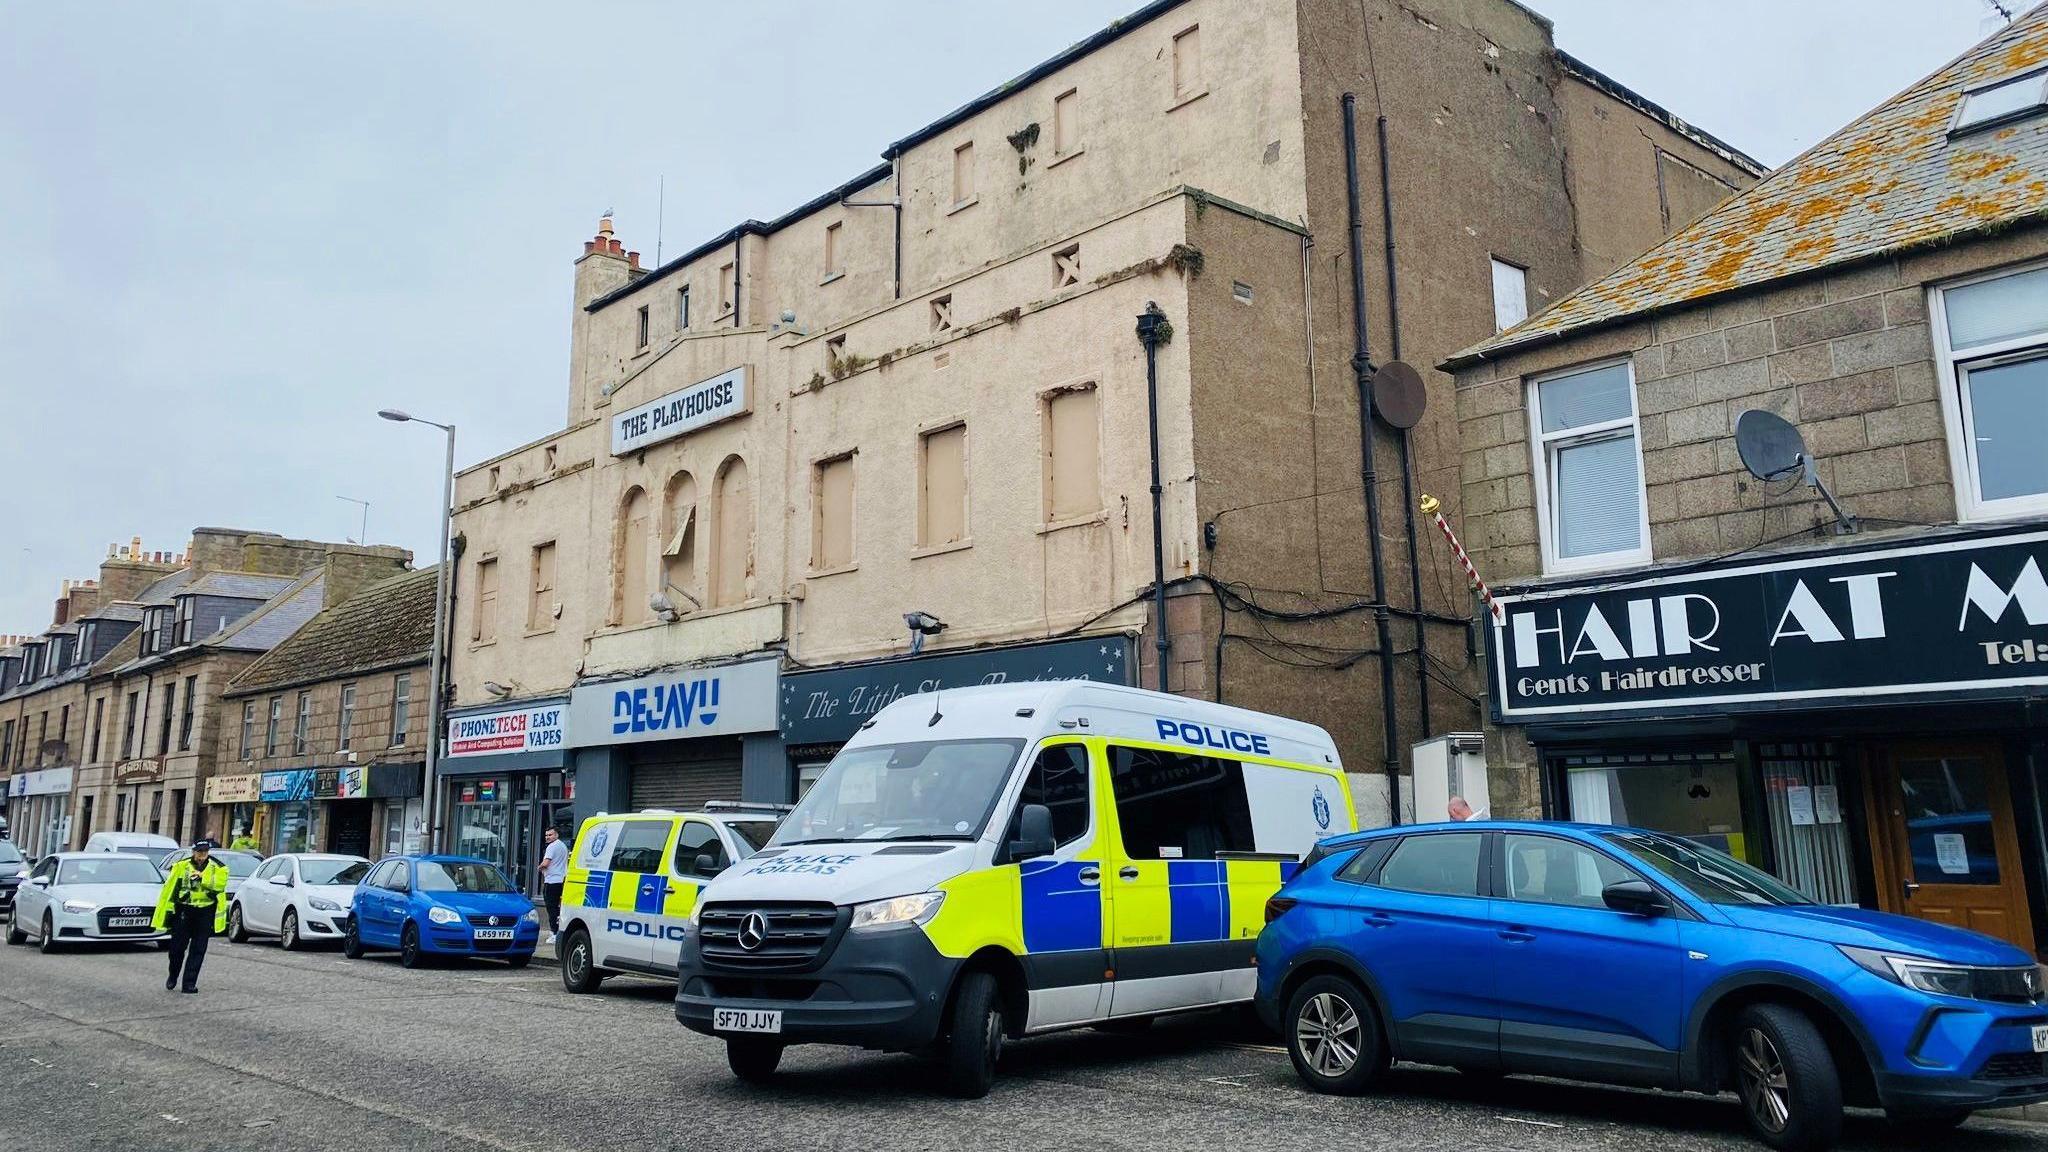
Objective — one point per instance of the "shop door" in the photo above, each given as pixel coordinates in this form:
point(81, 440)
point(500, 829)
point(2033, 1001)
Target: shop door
point(348, 827)
point(1947, 823)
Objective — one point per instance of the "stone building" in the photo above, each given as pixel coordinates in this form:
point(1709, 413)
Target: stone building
point(1693, 637)
point(327, 732)
point(923, 395)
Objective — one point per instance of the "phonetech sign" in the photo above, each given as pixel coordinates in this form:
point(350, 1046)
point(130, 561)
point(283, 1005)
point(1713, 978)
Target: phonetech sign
point(1961, 615)
point(508, 730)
point(701, 405)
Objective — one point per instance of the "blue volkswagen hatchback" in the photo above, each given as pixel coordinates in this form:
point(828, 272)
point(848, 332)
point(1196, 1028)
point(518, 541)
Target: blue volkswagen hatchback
point(1630, 957)
point(441, 905)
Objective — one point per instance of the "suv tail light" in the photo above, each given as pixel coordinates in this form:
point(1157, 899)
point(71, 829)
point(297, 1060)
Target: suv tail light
point(1277, 906)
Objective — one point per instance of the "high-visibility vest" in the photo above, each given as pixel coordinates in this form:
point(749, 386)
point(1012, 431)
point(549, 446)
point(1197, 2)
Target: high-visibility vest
point(191, 887)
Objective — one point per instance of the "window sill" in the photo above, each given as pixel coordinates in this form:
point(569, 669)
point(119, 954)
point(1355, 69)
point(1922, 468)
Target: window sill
point(820, 573)
point(642, 350)
point(1183, 101)
point(964, 205)
point(1063, 157)
point(530, 633)
point(831, 276)
point(1101, 517)
point(960, 545)
point(475, 645)
point(1587, 565)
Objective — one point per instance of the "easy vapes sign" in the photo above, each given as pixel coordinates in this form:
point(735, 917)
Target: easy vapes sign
point(1952, 616)
point(722, 397)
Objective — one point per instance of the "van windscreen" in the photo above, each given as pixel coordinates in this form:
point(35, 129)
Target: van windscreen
point(923, 790)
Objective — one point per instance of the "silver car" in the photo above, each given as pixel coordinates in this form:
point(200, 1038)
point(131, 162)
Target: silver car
point(240, 865)
point(80, 897)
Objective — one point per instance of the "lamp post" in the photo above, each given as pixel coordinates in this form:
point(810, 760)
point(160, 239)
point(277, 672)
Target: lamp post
point(437, 656)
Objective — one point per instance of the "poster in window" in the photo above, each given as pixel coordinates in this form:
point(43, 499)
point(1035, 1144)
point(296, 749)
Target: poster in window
point(1799, 804)
point(1951, 854)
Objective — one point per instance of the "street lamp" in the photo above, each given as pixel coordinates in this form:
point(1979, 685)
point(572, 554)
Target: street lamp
point(434, 661)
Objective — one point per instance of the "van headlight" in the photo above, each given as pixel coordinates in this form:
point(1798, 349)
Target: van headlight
point(897, 910)
point(444, 915)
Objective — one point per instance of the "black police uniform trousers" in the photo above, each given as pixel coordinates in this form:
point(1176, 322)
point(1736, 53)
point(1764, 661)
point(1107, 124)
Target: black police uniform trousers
point(191, 928)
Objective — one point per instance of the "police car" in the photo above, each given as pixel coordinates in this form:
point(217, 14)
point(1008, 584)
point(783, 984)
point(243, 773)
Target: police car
point(633, 880)
point(993, 862)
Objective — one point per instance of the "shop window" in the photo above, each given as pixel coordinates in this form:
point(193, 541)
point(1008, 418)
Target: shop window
point(679, 542)
point(963, 175)
point(1547, 870)
point(1059, 780)
point(1172, 806)
point(697, 839)
point(832, 514)
point(540, 590)
point(1510, 295)
point(483, 624)
point(732, 556)
point(1187, 64)
point(401, 707)
point(629, 559)
point(345, 724)
point(1991, 339)
point(1695, 794)
point(1443, 864)
point(1802, 786)
point(1073, 463)
point(1589, 478)
point(639, 847)
point(1066, 122)
point(942, 487)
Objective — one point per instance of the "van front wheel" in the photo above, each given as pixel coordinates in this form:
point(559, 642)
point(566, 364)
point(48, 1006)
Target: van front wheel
point(753, 1059)
point(974, 1036)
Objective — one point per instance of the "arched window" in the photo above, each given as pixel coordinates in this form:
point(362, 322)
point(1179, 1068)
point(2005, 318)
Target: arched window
point(679, 542)
point(732, 554)
point(630, 567)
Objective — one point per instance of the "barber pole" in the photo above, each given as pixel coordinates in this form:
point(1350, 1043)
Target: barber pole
point(1433, 508)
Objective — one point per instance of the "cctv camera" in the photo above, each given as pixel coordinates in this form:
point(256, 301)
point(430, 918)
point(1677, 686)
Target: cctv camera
point(663, 607)
point(924, 622)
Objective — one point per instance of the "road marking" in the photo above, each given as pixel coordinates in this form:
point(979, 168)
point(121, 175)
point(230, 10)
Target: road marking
point(1535, 1123)
point(1273, 1048)
point(171, 1118)
point(1225, 1081)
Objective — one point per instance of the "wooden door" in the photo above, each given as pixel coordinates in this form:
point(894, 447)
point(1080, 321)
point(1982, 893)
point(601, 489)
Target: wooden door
point(1945, 819)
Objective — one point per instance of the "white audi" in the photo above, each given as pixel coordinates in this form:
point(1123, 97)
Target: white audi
point(77, 897)
point(298, 897)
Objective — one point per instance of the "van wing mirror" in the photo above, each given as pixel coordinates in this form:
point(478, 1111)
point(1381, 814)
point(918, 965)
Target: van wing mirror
point(1034, 833)
point(708, 865)
point(1635, 897)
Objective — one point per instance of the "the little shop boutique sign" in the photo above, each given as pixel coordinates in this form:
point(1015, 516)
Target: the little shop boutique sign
point(1957, 615)
point(702, 404)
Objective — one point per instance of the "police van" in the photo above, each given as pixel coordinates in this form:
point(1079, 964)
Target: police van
point(1000, 861)
point(633, 881)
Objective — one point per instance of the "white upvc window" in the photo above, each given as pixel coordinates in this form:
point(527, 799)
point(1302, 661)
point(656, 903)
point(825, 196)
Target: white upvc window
point(1991, 346)
point(1590, 506)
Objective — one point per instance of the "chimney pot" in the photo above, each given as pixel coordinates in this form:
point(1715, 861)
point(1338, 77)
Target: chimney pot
point(633, 259)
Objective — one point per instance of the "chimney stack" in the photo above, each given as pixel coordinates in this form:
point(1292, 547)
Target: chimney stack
point(606, 244)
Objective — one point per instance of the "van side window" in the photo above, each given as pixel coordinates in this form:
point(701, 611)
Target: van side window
point(1059, 780)
point(698, 838)
point(1443, 864)
point(1172, 806)
point(640, 845)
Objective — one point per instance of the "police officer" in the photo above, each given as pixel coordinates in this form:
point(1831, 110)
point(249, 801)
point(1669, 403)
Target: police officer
point(194, 906)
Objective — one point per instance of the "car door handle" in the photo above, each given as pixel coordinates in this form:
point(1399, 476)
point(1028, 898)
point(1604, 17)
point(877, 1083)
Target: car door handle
point(1516, 935)
point(1127, 872)
point(1091, 876)
point(1378, 920)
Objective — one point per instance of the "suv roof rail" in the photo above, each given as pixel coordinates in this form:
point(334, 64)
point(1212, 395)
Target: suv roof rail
point(744, 806)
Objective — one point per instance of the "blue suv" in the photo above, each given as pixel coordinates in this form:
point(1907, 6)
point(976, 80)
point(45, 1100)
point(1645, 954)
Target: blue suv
point(1631, 957)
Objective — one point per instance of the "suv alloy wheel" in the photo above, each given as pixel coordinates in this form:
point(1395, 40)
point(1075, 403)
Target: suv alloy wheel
point(1333, 1036)
point(1791, 1092)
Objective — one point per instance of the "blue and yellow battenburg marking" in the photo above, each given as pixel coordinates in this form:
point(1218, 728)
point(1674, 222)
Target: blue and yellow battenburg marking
point(648, 894)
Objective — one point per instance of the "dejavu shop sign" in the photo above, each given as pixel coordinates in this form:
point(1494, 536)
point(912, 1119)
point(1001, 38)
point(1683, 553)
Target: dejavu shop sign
point(1964, 615)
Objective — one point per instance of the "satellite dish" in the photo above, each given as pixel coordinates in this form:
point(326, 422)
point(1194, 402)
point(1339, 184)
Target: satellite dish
point(1772, 449)
point(1398, 394)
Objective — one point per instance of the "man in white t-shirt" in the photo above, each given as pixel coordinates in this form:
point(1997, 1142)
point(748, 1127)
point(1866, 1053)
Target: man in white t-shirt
point(554, 869)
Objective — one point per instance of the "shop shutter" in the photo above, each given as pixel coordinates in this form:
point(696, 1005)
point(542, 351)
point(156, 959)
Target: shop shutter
point(682, 778)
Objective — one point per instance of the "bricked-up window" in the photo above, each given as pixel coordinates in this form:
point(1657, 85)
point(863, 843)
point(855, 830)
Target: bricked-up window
point(1073, 454)
point(1066, 266)
point(942, 313)
point(302, 723)
point(679, 543)
point(1589, 475)
point(641, 328)
point(401, 707)
point(345, 725)
point(270, 729)
point(248, 728)
point(728, 288)
point(185, 720)
point(963, 174)
point(629, 559)
point(833, 255)
point(942, 487)
point(483, 624)
point(1991, 342)
point(1187, 64)
point(732, 553)
point(1510, 295)
point(540, 590)
point(1066, 122)
point(683, 308)
point(832, 514)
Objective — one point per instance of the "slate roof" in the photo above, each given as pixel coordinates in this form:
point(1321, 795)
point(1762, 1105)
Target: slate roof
point(243, 585)
point(388, 624)
point(1891, 180)
point(270, 625)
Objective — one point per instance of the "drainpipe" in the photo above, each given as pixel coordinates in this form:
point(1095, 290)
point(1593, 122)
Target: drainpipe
point(739, 237)
point(1407, 435)
point(1362, 366)
point(1150, 323)
point(895, 203)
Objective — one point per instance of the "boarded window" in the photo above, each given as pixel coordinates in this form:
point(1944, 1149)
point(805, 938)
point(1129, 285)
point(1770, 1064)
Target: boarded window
point(540, 599)
point(732, 560)
point(942, 495)
point(832, 514)
point(963, 173)
point(1066, 121)
point(1187, 63)
point(1510, 295)
point(629, 560)
point(483, 627)
point(728, 288)
point(683, 308)
point(1073, 483)
point(833, 267)
point(641, 329)
point(679, 541)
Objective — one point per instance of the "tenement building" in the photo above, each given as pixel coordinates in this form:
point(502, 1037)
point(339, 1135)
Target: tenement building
point(1768, 511)
point(905, 436)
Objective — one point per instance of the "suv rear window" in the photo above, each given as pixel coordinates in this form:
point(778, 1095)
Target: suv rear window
point(1443, 864)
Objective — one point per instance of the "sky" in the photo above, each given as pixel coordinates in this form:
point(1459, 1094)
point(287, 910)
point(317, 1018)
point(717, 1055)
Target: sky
point(231, 232)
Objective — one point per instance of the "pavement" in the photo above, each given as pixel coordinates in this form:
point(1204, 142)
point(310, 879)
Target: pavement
point(311, 1051)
